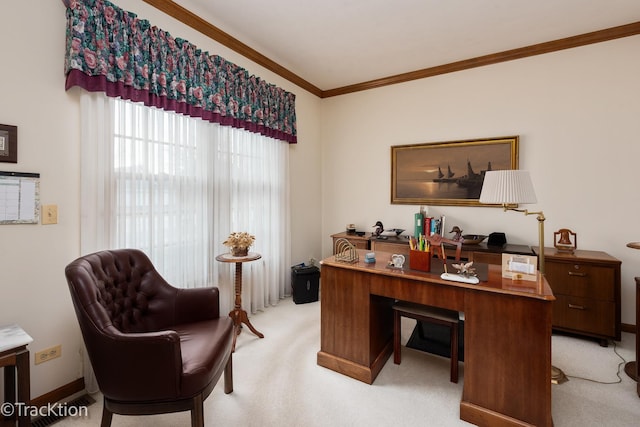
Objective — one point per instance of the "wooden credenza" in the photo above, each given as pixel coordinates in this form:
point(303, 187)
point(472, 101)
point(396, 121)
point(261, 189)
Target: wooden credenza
point(481, 253)
point(360, 242)
point(507, 367)
point(586, 285)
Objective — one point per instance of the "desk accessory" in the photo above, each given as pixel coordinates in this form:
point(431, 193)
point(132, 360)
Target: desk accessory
point(397, 260)
point(519, 267)
point(345, 251)
point(419, 254)
point(466, 274)
point(458, 278)
point(370, 258)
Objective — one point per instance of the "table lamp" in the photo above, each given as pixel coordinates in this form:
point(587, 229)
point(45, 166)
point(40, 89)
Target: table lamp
point(510, 188)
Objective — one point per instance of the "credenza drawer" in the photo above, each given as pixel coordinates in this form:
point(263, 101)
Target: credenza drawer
point(585, 315)
point(582, 280)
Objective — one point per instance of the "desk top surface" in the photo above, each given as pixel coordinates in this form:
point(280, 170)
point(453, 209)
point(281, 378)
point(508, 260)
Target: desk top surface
point(491, 281)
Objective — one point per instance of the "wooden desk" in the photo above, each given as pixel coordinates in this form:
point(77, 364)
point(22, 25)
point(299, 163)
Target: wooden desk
point(507, 373)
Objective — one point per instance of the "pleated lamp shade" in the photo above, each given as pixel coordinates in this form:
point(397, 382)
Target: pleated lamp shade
point(507, 187)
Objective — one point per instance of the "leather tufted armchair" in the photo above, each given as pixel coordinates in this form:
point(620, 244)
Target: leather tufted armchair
point(154, 348)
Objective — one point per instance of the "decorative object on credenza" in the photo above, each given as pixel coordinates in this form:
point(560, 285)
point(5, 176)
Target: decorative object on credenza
point(497, 239)
point(345, 251)
point(8, 144)
point(392, 232)
point(378, 228)
point(415, 176)
point(473, 239)
point(562, 240)
point(351, 229)
point(458, 233)
point(239, 243)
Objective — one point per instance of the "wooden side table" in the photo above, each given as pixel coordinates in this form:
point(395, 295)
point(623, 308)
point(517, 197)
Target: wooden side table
point(14, 356)
point(238, 315)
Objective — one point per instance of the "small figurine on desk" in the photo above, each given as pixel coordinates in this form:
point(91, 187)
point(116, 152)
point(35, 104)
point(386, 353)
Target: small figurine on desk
point(465, 269)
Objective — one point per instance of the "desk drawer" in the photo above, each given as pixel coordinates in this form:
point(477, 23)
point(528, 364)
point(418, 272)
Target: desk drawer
point(438, 295)
point(585, 315)
point(581, 280)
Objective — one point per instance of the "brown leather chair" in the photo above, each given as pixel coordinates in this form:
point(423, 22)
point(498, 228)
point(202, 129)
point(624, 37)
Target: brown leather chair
point(154, 348)
point(428, 314)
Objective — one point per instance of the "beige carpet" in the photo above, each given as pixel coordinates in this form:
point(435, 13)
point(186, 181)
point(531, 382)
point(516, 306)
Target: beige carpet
point(278, 383)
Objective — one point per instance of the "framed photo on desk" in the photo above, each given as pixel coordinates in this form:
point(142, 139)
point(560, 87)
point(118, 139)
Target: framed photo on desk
point(448, 173)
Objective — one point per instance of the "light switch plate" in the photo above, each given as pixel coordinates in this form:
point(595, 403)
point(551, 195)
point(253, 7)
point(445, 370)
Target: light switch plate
point(50, 214)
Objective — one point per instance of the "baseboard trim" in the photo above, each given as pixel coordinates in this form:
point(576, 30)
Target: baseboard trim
point(625, 327)
point(59, 394)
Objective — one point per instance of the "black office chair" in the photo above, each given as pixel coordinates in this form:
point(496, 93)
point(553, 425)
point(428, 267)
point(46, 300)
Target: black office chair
point(428, 314)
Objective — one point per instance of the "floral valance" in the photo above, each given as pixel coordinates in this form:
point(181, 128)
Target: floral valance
point(111, 50)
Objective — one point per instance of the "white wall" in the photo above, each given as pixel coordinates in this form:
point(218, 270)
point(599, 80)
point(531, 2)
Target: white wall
point(33, 290)
point(576, 112)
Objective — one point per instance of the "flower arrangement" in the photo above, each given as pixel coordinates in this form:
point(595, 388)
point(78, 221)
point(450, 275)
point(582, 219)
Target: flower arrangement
point(239, 243)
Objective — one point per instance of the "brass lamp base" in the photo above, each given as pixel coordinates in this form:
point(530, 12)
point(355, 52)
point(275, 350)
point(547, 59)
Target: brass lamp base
point(630, 370)
point(557, 376)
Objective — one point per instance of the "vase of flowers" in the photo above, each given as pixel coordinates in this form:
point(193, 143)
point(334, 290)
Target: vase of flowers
point(239, 243)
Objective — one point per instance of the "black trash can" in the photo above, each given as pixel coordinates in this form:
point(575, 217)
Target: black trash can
point(305, 283)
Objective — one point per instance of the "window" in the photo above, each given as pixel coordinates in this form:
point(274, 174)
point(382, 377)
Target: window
point(176, 186)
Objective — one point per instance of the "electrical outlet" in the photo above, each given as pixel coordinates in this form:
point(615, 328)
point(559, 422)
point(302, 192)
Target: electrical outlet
point(48, 354)
point(50, 214)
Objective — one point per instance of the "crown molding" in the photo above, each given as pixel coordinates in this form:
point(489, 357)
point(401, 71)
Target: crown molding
point(480, 61)
point(189, 18)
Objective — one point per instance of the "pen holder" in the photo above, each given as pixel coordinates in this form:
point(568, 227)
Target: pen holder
point(420, 260)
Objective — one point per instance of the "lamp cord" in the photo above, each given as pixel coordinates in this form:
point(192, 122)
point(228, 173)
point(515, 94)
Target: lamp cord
point(620, 365)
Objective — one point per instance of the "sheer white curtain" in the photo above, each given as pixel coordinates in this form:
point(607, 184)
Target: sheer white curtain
point(175, 187)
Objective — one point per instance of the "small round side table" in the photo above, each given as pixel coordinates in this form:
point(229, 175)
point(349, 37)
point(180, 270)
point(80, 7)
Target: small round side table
point(238, 315)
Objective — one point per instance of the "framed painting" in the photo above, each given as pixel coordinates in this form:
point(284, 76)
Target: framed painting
point(8, 144)
point(448, 173)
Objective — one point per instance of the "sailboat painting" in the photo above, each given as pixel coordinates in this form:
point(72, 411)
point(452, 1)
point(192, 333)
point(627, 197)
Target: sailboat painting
point(448, 173)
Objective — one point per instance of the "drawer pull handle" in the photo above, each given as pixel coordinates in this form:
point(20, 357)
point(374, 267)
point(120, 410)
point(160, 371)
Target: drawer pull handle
point(577, 307)
point(573, 273)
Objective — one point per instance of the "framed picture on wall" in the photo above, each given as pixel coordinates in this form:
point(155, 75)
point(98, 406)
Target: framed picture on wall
point(8, 144)
point(448, 173)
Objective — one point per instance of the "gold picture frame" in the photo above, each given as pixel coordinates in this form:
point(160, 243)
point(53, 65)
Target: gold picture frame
point(448, 173)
